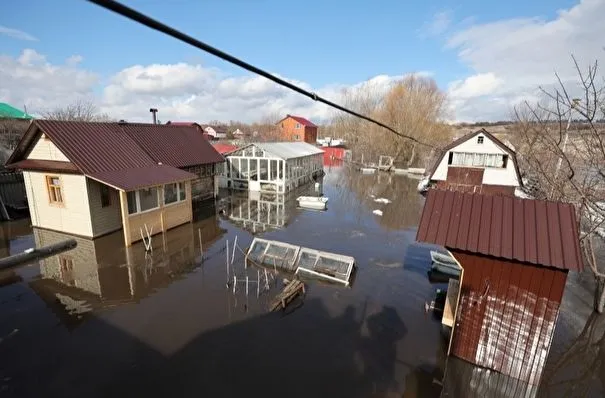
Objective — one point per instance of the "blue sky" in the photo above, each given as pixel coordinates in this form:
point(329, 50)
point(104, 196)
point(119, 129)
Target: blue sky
point(322, 43)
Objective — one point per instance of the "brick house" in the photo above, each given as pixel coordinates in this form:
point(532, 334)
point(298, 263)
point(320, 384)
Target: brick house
point(296, 128)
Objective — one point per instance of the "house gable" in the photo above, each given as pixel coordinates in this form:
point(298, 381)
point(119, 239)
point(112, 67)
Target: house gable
point(481, 142)
point(44, 149)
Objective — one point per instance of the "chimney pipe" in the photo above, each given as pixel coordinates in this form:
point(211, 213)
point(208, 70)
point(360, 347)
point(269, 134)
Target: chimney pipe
point(154, 111)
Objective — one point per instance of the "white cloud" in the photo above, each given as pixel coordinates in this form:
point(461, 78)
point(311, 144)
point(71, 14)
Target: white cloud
point(31, 80)
point(16, 34)
point(439, 24)
point(180, 91)
point(511, 58)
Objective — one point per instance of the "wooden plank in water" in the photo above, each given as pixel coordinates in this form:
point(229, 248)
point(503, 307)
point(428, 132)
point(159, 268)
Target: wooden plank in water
point(291, 290)
point(449, 311)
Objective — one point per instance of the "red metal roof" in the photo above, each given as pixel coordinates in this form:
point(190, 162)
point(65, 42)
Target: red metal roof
point(301, 120)
point(224, 148)
point(533, 231)
point(101, 150)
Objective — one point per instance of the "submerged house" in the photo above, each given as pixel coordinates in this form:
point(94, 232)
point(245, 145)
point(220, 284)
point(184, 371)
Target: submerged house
point(477, 162)
point(515, 255)
point(91, 179)
point(272, 167)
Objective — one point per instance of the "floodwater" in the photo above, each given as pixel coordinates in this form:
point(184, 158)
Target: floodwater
point(102, 320)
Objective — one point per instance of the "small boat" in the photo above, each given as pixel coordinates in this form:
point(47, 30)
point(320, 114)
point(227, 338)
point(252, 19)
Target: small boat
point(313, 202)
point(445, 264)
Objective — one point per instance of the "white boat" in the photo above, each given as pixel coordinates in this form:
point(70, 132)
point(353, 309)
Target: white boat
point(445, 264)
point(367, 170)
point(313, 202)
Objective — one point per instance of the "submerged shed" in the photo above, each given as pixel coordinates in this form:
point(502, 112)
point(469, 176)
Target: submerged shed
point(515, 255)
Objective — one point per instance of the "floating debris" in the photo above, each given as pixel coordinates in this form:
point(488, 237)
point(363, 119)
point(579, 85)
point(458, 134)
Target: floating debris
point(291, 290)
point(377, 212)
point(382, 200)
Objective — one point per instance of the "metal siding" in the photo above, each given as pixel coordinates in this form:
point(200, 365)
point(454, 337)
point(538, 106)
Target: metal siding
point(504, 227)
point(510, 329)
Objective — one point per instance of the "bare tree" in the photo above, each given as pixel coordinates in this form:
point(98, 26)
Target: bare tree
point(413, 106)
point(11, 131)
point(561, 144)
point(80, 110)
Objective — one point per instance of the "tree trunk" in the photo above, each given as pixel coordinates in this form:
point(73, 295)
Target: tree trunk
point(599, 298)
point(412, 156)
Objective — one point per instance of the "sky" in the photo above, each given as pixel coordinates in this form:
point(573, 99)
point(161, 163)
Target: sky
point(488, 57)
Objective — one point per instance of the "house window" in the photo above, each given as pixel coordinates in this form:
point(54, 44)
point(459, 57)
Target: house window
point(174, 193)
point(105, 196)
point(480, 139)
point(478, 159)
point(55, 194)
point(142, 200)
point(297, 125)
point(296, 137)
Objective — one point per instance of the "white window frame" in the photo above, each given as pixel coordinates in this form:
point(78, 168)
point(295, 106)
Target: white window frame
point(297, 126)
point(138, 201)
point(179, 189)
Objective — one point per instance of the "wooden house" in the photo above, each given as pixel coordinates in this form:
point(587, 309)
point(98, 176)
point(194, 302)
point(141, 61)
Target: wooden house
point(515, 255)
point(296, 128)
point(477, 162)
point(91, 179)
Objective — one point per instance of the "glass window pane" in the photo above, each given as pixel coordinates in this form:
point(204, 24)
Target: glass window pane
point(182, 191)
point(274, 170)
point(148, 198)
point(263, 169)
point(170, 194)
point(131, 197)
point(244, 168)
point(253, 167)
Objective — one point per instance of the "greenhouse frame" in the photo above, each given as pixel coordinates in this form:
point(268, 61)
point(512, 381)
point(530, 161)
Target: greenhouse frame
point(271, 167)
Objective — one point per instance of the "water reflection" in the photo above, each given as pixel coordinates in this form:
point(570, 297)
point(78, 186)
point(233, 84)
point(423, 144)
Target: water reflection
point(102, 273)
point(405, 207)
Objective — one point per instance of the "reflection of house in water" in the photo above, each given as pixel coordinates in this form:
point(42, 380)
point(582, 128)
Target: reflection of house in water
point(103, 273)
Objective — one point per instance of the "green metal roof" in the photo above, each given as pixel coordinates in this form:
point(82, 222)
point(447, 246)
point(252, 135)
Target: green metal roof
point(7, 111)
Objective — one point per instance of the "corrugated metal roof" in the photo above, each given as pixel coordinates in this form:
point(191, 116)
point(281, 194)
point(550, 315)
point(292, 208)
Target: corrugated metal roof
point(178, 146)
point(289, 150)
point(224, 148)
point(526, 230)
point(108, 149)
point(132, 179)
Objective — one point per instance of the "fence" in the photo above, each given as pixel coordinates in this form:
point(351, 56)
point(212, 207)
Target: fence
point(12, 194)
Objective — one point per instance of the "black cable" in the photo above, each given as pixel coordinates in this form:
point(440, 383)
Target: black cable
point(153, 24)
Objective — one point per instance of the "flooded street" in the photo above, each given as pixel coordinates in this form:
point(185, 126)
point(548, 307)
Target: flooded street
point(104, 320)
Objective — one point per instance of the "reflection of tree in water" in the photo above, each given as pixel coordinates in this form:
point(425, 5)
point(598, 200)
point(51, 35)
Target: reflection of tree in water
point(406, 206)
point(584, 361)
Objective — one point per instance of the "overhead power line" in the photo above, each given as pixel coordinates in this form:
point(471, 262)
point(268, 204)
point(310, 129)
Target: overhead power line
point(136, 16)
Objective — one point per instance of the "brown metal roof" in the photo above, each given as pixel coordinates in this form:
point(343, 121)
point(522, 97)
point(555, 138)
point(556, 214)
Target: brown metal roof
point(123, 153)
point(132, 179)
point(176, 145)
point(45, 165)
point(533, 231)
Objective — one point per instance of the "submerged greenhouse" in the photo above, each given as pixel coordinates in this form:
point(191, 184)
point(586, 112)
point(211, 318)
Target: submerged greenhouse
point(271, 167)
point(301, 260)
